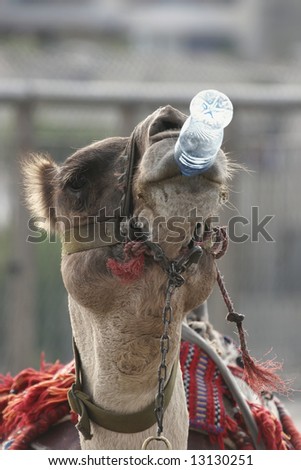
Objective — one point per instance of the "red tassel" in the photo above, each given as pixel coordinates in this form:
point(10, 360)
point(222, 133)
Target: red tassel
point(293, 435)
point(260, 377)
point(21, 438)
point(130, 269)
point(269, 427)
point(270, 430)
point(39, 399)
point(217, 440)
point(5, 383)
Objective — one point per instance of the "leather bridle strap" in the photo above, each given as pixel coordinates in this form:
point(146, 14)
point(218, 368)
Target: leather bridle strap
point(107, 232)
point(139, 421)
point(93, 235)
point(127, 204)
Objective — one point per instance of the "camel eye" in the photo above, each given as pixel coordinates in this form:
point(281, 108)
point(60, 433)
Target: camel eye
point(77, 183)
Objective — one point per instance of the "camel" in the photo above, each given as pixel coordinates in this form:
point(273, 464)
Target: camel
point(128, 221)
point(116, 326)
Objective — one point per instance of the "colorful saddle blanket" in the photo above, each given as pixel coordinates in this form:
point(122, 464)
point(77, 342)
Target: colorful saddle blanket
point(35, 400)
point(213, 410)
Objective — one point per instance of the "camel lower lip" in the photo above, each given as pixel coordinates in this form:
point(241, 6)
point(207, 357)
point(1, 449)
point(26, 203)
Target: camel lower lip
point(212, 180)
point(199, 176)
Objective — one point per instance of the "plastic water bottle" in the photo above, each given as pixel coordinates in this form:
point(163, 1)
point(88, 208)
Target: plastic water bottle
point(202, 133)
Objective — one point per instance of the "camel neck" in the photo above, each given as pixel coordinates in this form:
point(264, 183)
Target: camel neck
point(122, 423)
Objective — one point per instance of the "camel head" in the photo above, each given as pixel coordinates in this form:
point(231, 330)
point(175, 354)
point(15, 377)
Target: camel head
point(89, 186)
point(90, 183)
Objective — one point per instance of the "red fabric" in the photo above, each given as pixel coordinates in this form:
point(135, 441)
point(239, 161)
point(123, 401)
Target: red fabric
point(205, 391)
point(127, 271)
point(32, 401)
point(269, 427)
point(288, 426)
point(131, 268)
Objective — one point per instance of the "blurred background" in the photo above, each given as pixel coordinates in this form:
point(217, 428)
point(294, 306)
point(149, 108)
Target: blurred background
point(75, 71)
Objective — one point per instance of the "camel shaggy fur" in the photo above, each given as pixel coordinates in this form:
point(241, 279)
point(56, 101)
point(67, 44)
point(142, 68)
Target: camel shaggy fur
point(116, 325)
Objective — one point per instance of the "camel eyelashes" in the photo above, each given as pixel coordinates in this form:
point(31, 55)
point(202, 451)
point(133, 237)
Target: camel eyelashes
point(76, 183)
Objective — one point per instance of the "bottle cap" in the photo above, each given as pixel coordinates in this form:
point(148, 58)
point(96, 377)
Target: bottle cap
point(212, 108)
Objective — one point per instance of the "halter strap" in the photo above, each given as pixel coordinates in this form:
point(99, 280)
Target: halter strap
point(127, 205)
point(108, 232)
point(139, 421)
point(94, 235)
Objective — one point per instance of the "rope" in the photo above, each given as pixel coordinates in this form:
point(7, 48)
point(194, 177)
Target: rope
point(260, 377)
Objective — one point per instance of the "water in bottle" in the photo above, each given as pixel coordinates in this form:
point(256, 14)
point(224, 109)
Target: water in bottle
point(202, 133)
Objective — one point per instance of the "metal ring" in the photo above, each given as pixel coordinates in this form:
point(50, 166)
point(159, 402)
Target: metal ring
point(156, 438)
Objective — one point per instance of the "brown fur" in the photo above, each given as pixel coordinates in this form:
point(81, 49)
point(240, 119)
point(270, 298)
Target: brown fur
point(117, 327)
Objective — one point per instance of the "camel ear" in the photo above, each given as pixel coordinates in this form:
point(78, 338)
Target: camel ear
point(39, 182)
point(167, 118)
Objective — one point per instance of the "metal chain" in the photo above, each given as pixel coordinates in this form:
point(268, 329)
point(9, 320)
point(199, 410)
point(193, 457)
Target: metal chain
point(174, 280)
